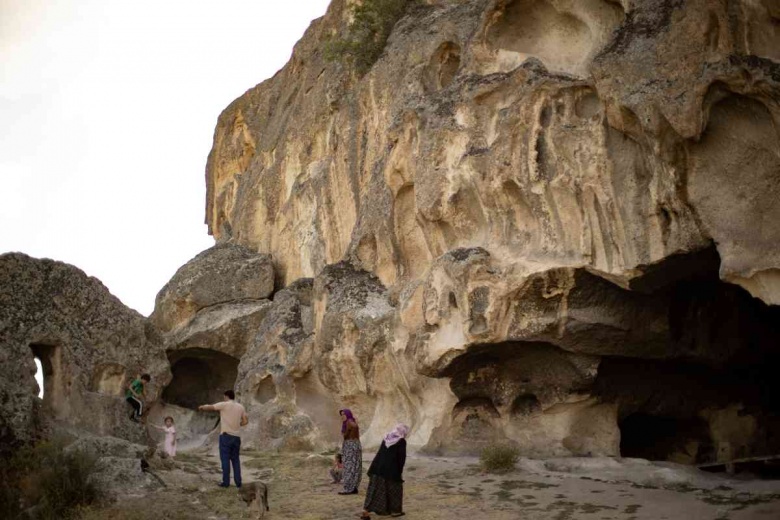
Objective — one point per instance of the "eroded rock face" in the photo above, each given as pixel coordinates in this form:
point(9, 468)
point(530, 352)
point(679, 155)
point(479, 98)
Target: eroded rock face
point(517, 194)
point(225, 273)
point(89, 345)
point(537, 222)
point(208, 315)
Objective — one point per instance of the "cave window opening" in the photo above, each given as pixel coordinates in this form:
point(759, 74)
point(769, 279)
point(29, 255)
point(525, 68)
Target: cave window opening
point(45, 358)
point(265, 390)
point(663, 438)
point(39, 377)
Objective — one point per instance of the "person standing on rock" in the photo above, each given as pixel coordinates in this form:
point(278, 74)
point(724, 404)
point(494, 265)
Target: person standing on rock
point(136, 395)
point(385, 494)
point(352, 453)
point(232, 416)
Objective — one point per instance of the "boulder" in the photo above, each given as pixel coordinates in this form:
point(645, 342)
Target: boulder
point(225, 273)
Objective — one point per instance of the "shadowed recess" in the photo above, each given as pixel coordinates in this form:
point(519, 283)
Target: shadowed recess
point(200, 376)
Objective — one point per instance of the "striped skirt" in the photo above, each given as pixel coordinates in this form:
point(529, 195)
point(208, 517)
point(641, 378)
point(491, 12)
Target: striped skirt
point(352, 455)
point(384, 497)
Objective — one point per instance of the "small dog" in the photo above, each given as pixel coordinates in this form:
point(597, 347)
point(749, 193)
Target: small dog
point(255, 494)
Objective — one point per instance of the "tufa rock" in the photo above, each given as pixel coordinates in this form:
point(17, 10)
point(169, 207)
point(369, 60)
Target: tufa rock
point(224, 273)
point(89, 345)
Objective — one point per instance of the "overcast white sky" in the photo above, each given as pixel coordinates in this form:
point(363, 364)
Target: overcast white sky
point(107, 112)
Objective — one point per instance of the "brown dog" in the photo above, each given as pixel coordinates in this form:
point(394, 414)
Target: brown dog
point(255, 494)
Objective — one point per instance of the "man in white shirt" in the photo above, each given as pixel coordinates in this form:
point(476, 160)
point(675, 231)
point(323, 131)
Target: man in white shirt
point(232, 416)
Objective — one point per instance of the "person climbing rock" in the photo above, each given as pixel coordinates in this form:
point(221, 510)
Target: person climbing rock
point(136, 395)
point(232, 416)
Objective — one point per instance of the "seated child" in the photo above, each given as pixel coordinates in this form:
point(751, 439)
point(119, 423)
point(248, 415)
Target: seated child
point(170, 436)
point(337, 470)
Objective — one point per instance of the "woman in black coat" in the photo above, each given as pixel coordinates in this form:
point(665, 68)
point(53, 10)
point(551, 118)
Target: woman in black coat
point(385, 494)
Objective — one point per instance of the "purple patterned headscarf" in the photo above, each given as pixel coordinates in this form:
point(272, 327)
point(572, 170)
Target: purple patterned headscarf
point(396, 434)
point(348, 414)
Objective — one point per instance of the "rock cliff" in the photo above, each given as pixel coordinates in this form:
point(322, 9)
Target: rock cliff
point(545, 222)
point(523, 209)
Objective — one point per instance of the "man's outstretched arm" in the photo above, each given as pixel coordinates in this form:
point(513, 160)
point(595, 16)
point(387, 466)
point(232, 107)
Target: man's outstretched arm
point(207, 408)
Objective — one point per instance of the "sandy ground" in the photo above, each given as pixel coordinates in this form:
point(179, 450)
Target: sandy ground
point(455, 488)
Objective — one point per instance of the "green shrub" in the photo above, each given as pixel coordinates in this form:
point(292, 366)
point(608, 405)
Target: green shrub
point(48, 481)
point(373, 21)
point(499, 458)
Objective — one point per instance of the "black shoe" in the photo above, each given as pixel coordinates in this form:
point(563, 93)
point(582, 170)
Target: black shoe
point(353, 492)
point(223, 485)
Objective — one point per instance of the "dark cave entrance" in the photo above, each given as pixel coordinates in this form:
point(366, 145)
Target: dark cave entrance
point(652, 437)
point(200, 376)
point(712, 394)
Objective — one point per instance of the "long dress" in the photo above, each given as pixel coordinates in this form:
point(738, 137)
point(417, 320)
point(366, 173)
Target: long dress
point(170, 440)
point(385, 494)
point(352, 455)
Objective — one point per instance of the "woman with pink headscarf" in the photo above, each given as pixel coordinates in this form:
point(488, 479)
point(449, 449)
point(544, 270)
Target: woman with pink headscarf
point(385, 494)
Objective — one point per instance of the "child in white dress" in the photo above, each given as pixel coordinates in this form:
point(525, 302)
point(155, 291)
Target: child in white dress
point(170, 436)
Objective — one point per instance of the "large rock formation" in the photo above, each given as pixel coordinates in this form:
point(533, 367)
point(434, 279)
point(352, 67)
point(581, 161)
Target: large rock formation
point(522, 210)
point(89, 345)
point(208, 314)
point(545, 222)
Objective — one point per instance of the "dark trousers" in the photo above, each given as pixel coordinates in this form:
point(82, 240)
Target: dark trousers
point(229, 446)
point(138, 407)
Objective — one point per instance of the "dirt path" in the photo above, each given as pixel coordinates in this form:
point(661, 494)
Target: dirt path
point(450, 488)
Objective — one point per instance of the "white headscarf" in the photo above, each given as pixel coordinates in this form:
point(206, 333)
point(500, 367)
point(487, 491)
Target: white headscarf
point(396, 434)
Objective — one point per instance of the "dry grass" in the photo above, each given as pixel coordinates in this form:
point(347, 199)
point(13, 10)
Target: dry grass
point(499, 458)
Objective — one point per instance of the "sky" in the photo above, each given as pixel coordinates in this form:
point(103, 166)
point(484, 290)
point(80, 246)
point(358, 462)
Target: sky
point(107, 113)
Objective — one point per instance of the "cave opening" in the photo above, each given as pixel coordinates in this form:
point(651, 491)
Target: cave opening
point(654, 437)
point(712, 396)
point(200, 376)
point(39, 377)
point(46, 358)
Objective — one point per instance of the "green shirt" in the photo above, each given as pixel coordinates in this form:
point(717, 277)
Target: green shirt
point(138, 387)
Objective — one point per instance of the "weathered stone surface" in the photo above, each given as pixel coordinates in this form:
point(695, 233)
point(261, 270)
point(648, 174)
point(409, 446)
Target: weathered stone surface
point(517, 193)
point(225, 273)
point(108, 447)
point(536, 222)
point(208, 315)
point(226, 327)
point(89, 344)
point(116, 476)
